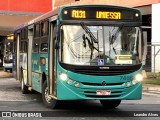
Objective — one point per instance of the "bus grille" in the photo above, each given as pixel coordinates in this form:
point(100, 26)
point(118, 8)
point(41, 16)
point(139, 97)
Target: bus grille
point(104, 72)
point(100, 84)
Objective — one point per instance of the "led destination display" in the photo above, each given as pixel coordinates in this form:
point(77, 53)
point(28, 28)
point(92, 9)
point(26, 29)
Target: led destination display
point(99, 13)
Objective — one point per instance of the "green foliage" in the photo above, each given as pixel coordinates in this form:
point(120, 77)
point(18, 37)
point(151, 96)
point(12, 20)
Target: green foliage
point(153, 75)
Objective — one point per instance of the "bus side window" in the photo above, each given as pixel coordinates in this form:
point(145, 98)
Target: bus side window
point(37, 30)
point(36, 40)
point(44, 36)
point(44, 28)
point(36, 46)
point(44, 47)
point(25, 46)
point(21, 46)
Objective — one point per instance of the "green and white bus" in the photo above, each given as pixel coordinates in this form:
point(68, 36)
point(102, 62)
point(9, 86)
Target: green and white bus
point(81, 52)
point(8, 57)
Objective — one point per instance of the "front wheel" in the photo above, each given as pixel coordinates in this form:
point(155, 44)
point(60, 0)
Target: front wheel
point(47, 100)
point(110, 103)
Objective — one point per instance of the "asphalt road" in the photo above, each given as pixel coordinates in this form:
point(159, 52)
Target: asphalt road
point(11, 100)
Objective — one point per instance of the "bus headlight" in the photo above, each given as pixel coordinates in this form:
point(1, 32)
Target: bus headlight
point(63, 76)
point(139, 77)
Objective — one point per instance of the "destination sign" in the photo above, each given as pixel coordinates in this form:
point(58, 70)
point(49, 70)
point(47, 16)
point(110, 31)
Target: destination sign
point(78, 14)
point(108, 15)
point(100, 13)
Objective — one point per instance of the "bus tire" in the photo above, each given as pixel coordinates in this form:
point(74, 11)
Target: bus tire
point(48, 102)
point(24, 88)
point(110, 104)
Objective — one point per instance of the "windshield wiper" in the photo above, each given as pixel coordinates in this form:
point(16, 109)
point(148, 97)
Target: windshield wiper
point(90, 34)
point(111, 43)
point(90, 41)
point(90, 44)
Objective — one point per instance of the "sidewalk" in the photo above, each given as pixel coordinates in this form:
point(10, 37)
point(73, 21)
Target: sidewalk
point(5, 74)
point(151, 88)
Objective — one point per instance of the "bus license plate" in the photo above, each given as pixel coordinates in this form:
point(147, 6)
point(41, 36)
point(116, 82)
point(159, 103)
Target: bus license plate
point(103, 92)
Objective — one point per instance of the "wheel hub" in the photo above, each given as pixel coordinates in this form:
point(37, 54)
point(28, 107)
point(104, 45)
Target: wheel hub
point(48, 99)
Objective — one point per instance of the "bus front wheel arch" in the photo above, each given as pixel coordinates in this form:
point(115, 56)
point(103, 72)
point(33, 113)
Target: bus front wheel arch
point(110, 104)
point(48, 101)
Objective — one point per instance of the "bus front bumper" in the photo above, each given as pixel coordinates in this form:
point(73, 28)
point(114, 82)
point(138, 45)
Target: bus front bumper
point(68, 92)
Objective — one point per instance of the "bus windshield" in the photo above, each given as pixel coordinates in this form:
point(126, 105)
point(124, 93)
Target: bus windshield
point(100, 45)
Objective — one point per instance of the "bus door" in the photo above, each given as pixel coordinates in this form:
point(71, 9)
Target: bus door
point(43, 51)
point(29, 60)
point(52, 58)
point(36, 71)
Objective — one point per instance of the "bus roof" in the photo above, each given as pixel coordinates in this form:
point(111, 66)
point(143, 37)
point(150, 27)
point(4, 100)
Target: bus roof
point(39, 18)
